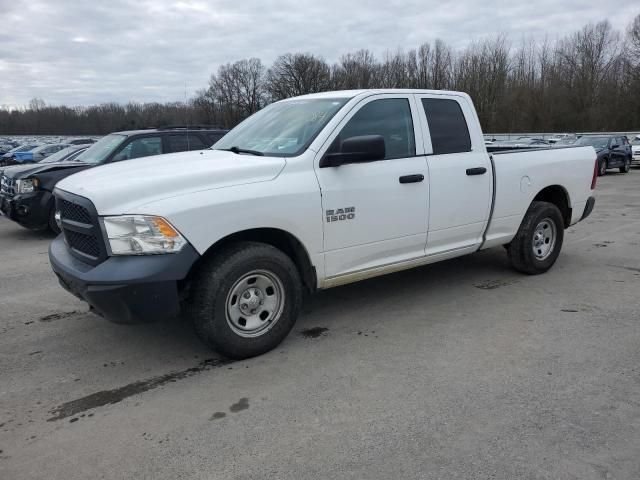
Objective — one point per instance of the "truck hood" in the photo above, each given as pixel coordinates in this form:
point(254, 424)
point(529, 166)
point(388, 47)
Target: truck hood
point(126, 186)
point(23, 171)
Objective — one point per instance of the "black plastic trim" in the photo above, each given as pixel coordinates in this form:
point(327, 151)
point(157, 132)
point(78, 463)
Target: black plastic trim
point(493, 202)
point(92, 229)
point(416, 178)
point(125, 289)
point(588, 208)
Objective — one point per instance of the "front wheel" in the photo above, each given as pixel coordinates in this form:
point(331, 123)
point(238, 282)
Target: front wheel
point(602, 167)
point(626, 167)
point(536, 246)
point(245, 300)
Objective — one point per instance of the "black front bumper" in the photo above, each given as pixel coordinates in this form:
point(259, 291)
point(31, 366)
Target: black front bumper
point(125, 289)
point(31, 210)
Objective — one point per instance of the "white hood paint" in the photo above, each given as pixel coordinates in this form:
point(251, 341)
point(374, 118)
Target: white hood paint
point(126, 186)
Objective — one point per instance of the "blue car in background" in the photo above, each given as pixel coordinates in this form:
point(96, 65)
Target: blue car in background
point(21, 148)
point(35, 154)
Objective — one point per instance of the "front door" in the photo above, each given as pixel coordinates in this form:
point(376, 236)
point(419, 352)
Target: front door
point(375, 213)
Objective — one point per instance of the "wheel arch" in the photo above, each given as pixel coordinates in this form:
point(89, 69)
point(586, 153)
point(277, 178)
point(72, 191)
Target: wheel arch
point(278, 238)
point(558, 196)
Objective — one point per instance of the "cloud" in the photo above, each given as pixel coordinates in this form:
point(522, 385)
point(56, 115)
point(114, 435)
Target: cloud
point(76, 52)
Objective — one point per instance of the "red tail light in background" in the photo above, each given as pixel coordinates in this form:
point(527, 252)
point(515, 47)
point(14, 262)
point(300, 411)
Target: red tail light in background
point(594, 180)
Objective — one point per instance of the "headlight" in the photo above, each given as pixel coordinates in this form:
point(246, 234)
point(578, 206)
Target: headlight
point(142, 235)
point(27, 185)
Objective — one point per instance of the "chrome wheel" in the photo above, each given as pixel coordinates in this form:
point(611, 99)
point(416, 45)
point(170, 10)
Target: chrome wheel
point(544, 239)
point(255, 303)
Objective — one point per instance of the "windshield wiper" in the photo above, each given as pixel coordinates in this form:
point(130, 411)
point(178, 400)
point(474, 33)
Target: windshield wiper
point(238, 150)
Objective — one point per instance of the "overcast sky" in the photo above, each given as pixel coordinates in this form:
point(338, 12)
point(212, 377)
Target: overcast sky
point(91, 51)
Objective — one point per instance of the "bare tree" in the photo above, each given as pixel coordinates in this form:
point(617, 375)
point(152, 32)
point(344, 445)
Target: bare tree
point(633, 33)
point(589, 58)
point(355, 70)
point(238, 89)
point(297, 74)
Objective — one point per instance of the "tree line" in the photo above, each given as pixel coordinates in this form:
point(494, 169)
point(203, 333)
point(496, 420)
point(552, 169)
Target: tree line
point(586, 81)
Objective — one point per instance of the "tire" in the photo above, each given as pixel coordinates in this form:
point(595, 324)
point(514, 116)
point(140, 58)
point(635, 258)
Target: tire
point(529, 251)
point(602, 168)
point(53, 225)
point(218, 291)
point(626, 167)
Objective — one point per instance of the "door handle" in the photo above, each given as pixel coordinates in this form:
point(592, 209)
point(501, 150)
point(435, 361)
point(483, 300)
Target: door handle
point(476, 171)
point(418, 177)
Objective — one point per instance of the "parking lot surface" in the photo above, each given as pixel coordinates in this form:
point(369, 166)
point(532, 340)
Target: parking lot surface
point(463, 369)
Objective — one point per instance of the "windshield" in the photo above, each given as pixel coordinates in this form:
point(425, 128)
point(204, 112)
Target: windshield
point(99, 151)
point(283, 129)
point(595, 142)
point(635, 141)
point(58, 156)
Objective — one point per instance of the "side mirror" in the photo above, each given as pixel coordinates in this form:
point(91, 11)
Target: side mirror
point(615, 145)
point(119, 157)
point(365, 148)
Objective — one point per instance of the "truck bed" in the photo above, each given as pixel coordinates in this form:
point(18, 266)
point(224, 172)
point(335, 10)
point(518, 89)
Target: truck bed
point(520, 175)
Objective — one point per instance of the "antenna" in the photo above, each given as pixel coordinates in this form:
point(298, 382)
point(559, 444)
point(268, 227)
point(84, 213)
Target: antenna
point(186, 115)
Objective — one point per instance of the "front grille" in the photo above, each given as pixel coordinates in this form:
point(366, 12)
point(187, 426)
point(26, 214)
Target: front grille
point(81, 227)
point(7, 186)
point(74, 212)
point(87, 244)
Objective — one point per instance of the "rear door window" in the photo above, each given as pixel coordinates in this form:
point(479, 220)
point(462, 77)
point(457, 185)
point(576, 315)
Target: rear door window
point(182, 143)
point(447, 125)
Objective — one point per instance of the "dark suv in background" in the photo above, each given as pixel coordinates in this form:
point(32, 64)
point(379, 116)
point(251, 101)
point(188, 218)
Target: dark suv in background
point(612, 151)
point(26, 191)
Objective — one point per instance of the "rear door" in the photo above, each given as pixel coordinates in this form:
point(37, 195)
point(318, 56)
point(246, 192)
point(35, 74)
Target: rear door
point(460, 174)
point(375, 213)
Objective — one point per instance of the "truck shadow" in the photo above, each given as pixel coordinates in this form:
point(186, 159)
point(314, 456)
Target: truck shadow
point(490, 267)
point(486, 270)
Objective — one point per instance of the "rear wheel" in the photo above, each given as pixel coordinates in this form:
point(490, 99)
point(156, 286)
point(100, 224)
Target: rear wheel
point(246, 299)
point(626, 167)
point(602, 167)
point(536, 246)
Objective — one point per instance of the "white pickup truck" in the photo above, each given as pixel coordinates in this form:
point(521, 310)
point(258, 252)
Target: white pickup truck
point(309, 193)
